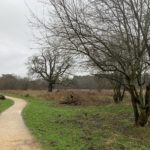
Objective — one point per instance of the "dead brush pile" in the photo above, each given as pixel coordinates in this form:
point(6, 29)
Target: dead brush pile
point(72, 99)
point(86, 98)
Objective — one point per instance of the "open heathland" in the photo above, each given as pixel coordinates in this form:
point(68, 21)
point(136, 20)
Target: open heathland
point(88, 126)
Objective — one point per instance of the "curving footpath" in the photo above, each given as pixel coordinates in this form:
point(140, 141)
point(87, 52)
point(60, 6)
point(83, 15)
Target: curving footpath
point(14, 135)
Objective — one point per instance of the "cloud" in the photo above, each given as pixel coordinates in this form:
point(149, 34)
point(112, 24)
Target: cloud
point(15, 36)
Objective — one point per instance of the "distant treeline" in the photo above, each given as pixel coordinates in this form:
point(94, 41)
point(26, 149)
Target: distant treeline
point(13, 82)
point(85, 82)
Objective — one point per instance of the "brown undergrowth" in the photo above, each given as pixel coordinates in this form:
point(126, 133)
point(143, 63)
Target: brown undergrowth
point(71, 97)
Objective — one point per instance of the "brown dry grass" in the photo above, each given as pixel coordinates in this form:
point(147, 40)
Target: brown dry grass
point(87, 97)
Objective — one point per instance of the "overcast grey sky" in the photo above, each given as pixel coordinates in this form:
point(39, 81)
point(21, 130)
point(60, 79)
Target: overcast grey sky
point(15, 35)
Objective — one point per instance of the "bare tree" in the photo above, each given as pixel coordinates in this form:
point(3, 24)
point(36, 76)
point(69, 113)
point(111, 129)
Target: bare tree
point(50, 65)
point(119, 92)
point(118, 87)
point(114, 34)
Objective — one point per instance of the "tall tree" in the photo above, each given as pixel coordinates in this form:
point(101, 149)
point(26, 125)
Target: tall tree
point(114, 34)
point(50, 65)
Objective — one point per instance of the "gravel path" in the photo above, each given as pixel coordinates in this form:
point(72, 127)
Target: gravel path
point(14, 135)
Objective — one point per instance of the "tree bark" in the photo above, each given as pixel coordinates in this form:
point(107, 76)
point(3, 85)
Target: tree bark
point(135, 108)
point(50, 87)
point(141, 111)
point(118, 93)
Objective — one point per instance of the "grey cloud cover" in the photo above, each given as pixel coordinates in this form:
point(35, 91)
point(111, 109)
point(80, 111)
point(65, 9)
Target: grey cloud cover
point(15, 36)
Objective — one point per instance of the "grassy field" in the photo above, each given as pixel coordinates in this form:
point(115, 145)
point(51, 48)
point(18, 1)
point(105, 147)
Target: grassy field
point(4, 104)
point(106, 126)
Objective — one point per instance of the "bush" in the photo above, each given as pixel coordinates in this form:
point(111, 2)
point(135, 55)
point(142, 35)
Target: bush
point(27, 95)
point(2, 97)
point(72, 99)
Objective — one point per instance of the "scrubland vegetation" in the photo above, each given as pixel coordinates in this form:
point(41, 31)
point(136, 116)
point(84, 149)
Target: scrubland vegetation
point(110, 39)
point(95, 124)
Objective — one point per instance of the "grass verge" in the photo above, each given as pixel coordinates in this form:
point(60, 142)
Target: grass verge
point(5, 104)
point(60, 127)
point(100, 127)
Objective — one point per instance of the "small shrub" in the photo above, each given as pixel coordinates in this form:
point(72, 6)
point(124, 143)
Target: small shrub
point(2, 97)
point(27, 95)
point(72, 99)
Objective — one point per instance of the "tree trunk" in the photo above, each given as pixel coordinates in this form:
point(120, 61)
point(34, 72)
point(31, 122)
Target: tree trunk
point(135, 109)
point(118, 93)
point(141, 111)
point(50, 87)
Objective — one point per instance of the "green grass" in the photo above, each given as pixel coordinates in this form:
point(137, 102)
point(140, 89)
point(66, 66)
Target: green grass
point(59, 127)
point(4, 104)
